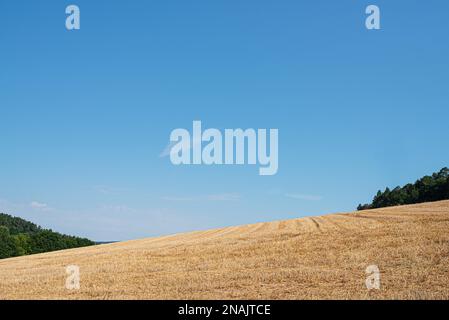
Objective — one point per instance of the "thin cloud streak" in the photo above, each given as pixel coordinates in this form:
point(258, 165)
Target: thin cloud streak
point(40, 206)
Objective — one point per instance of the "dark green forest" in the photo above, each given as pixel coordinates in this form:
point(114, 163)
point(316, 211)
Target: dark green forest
point(19, 237)
point(429, 188)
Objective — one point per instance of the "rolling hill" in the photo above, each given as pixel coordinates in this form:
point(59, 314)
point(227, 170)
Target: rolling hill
point(321, 257)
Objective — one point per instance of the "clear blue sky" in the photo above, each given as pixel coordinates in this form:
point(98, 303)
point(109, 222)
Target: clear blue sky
point(85, 114)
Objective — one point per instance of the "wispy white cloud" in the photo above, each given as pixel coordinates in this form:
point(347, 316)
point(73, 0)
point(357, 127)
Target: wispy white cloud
point(40, 206)
point(209, 197)
point(10, 207)
point(307, 197)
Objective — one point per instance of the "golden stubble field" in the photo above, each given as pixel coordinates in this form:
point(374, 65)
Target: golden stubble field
point(309, 258)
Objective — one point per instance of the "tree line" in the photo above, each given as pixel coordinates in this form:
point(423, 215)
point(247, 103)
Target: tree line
point(19, 237)
point(429, 188)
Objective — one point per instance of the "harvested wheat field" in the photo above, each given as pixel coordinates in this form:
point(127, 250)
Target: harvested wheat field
point(309, 258)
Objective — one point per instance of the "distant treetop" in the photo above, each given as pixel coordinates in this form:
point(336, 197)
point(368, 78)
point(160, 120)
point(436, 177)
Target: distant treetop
point(20, 237)
point(426, 189)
